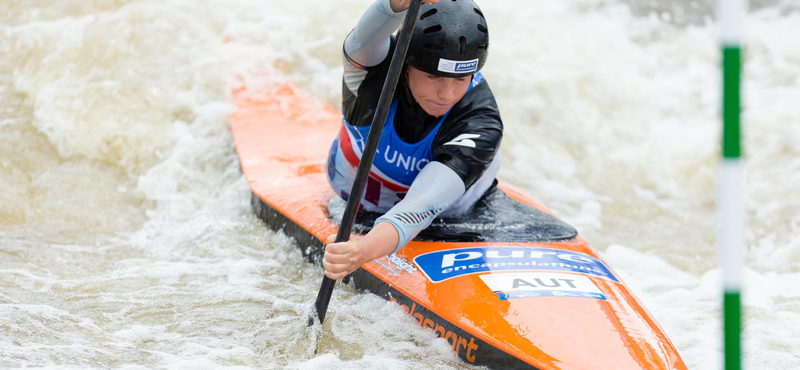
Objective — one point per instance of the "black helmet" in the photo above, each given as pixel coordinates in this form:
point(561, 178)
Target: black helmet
point(450, 39)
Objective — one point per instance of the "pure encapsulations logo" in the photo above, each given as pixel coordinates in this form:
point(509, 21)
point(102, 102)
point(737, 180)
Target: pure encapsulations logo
point(455, 66)
point(467, 67)
point(443, 265)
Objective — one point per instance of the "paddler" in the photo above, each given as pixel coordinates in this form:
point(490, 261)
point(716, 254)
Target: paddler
point(439, 150)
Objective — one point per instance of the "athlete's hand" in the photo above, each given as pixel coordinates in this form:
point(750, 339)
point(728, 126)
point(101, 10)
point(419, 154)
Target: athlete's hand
point(342, 258)
point(401, 5)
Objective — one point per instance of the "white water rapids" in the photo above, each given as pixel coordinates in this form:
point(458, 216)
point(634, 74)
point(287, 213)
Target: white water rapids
point(126, 235)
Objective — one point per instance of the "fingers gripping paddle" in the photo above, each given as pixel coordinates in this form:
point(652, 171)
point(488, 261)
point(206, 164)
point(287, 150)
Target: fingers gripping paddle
point(389, 86)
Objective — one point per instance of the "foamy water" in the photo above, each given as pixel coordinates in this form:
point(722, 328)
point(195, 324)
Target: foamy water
point(127, 238)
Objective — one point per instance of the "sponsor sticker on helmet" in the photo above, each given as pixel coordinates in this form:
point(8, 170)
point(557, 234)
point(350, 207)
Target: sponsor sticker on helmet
point(456, 66)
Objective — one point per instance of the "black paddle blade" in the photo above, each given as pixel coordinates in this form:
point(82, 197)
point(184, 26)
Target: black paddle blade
point(323, 297)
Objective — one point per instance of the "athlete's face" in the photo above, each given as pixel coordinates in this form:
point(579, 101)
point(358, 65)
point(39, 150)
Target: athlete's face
point(436, 95)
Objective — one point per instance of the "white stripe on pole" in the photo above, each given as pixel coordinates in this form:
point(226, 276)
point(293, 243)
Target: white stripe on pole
point(732, 221)
point(731, 16)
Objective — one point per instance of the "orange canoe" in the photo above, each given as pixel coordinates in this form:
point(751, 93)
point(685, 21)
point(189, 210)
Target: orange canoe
point(517, 291)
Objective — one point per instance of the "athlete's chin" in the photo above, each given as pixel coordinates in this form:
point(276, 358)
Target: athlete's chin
point(437, 110)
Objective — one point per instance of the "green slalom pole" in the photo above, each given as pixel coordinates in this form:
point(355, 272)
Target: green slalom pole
point(731, 184)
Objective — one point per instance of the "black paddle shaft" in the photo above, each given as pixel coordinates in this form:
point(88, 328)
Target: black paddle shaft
point(368, 154)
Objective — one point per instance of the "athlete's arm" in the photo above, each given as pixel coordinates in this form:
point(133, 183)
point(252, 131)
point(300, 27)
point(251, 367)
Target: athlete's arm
point(434, 190)
point(370, 41)
point(401, 5)
point(368, 44)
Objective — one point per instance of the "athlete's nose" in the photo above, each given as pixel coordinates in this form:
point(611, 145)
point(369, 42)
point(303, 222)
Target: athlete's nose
point(446, 91)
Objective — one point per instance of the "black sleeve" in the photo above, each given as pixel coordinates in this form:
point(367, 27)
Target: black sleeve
point(470, 137)
point(359, 109)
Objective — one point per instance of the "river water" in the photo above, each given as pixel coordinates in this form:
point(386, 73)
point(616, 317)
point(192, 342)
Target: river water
point(126, 235)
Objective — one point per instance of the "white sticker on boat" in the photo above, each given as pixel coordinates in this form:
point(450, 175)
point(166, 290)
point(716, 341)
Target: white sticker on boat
point(458, 66)
point(546, 284)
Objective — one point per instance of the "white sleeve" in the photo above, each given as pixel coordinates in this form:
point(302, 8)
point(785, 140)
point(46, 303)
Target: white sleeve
point(368, 44)
point(436, 188)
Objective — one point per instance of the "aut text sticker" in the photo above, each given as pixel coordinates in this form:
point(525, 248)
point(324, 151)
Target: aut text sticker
point(541, 284)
